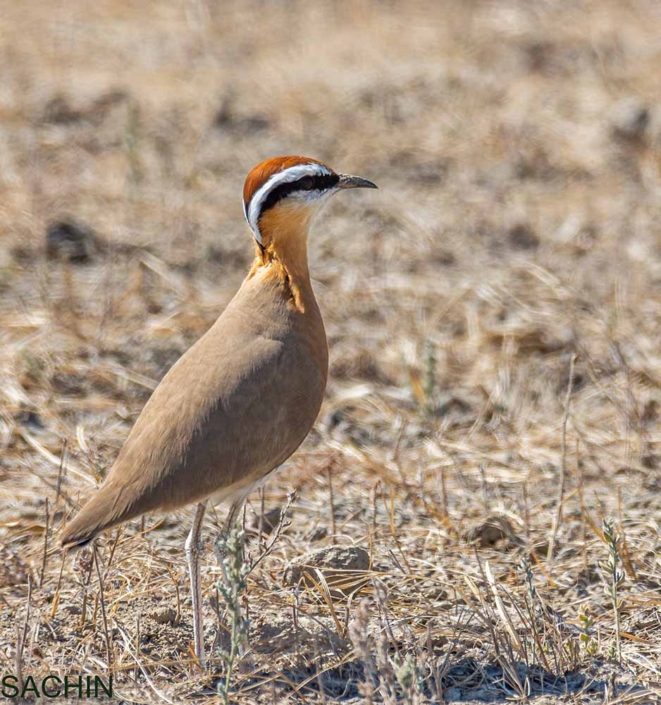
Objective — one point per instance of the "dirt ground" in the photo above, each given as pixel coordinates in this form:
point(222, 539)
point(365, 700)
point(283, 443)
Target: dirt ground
point(485, 469)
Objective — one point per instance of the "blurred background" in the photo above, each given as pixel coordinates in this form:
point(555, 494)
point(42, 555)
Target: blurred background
point(516, 147)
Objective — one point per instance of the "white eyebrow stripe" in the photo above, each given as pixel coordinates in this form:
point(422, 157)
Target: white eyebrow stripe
point(253, 208)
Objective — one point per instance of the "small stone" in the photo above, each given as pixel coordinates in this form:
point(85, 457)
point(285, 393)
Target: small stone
point(71, 241)
point(58, 111)
point(227, 120)
point(343, 567)
point(630, 121)
point(165, 616)
point(269, 521)
point(494, 531)
point(522, 237)
point(318, 534)
point(30, 419)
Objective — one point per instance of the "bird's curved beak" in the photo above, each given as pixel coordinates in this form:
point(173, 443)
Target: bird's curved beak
point(347, 181)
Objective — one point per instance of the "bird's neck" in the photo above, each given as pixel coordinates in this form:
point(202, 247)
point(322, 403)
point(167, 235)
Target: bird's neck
point(285, 253)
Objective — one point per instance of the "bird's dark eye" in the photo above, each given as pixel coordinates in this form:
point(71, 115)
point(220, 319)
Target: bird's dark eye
point(307, 183)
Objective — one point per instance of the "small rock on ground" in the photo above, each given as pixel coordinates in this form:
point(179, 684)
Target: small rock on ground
point(493, 531)
point(269, 521)
point(343, 567)
point(70, 241)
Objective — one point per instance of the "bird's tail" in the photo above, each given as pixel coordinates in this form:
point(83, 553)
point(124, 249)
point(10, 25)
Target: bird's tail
point(102, 512)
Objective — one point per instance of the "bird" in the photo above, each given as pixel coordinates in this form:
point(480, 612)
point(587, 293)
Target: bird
point(243, 398)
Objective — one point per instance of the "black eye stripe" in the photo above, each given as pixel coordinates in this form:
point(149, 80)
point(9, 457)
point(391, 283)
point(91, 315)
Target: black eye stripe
point(320, 182)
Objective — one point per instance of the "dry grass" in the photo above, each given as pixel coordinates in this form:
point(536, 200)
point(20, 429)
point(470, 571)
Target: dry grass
point(517, 227)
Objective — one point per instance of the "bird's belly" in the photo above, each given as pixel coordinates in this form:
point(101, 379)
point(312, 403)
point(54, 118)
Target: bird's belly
point(238, 492)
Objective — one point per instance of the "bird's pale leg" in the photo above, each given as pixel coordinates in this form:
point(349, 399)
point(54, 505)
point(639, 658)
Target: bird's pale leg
point(193, 558)
point(235, 510)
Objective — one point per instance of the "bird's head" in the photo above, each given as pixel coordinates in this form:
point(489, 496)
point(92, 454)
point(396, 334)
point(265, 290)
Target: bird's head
point(281, 195)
